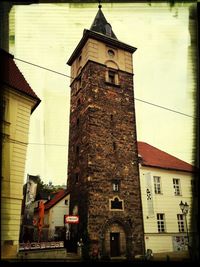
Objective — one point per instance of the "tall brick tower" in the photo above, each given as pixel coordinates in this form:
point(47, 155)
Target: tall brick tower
point(103, 174)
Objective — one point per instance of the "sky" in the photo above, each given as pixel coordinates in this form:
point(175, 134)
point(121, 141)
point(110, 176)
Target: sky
point(47, 34)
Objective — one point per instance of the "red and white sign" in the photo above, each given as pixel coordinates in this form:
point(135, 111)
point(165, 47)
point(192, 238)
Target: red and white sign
point(71, 219)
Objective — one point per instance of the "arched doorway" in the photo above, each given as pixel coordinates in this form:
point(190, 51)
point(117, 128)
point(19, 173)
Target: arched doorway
point(116, 238)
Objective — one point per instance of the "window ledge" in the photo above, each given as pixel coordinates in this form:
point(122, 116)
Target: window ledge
point(112, 84)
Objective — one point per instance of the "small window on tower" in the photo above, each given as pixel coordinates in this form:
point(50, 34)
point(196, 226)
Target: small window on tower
point(77, 150)
point(115, 186)
point(116, 204)
point(114, 146)
point(76, 178)
point(77, 122)
point(111, 76)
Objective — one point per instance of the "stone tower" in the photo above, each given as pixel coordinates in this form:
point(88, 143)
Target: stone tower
point(103, 174)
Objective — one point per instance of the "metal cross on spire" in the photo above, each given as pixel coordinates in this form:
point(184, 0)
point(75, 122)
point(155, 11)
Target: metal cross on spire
point(99, 6)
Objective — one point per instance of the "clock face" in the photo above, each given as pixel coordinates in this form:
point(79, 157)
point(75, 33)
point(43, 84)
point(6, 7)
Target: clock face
point(75, 210)
point(111, 53)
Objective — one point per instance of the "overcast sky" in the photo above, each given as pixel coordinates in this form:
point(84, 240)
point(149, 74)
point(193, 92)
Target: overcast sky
point(47, 34)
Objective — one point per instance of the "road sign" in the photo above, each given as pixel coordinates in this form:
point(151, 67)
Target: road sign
point(71, 219)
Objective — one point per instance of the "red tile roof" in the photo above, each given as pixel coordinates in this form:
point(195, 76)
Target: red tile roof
point(11, 76)
point(154, 157)
point(59, 196)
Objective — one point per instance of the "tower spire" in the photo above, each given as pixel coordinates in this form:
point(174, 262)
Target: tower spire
point(99, 6)
point(101, 25)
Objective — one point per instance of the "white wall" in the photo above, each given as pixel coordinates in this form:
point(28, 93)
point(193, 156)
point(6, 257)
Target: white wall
point(166, 203)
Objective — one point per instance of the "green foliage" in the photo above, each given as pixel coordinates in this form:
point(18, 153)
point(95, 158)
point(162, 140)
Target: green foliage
point(45, 189)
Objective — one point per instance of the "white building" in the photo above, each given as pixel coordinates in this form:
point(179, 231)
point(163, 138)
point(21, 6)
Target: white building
point(54, 211)
point(165, 181)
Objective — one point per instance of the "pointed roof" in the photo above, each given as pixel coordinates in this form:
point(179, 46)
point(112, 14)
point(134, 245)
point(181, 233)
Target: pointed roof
point(100, 30)
point(154, 157)
point(101, 25)
point(10, 75)
point(57, 197)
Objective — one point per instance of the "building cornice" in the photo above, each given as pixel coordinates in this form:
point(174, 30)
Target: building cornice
point(99, 37)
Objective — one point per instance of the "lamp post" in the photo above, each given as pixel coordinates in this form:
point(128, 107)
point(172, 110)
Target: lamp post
point(185, 208)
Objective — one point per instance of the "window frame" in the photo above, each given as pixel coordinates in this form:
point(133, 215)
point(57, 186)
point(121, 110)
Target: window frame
point(116, 185)
point(157, 184)
point(112, 77)
point(161, 226)
point(177, 186)
point(181, 223)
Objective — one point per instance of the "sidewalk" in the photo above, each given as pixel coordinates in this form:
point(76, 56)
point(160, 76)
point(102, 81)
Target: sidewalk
point(48, 254)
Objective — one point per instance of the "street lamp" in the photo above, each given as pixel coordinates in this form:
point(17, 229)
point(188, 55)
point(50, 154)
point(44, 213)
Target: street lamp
point(185, 208)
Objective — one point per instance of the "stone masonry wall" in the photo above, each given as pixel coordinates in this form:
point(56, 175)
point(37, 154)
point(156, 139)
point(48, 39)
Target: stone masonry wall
point(106, 136)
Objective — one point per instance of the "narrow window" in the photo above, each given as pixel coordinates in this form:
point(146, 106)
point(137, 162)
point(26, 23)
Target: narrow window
point(77, 122)
point(161, 222)
point(176, 185)
point(115, 186)
point(77, 151)
point(111, 76)
point(66, 201)
point(76, 178)
point(114, 146)
point(157, 185)
point(180, 219)
point(111, 117)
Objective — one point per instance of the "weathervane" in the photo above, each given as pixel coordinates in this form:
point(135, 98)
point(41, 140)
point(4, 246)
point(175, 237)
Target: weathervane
point(99, 6)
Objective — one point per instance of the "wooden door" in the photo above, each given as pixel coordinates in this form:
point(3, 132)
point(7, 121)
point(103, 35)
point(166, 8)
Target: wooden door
point(114, 244)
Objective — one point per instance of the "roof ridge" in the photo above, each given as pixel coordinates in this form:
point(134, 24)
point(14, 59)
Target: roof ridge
point(155, 157)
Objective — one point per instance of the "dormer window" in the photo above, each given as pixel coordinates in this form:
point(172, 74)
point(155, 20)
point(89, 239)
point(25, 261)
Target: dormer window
point(77, 151)
point(77, 122)
point(108, 29)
